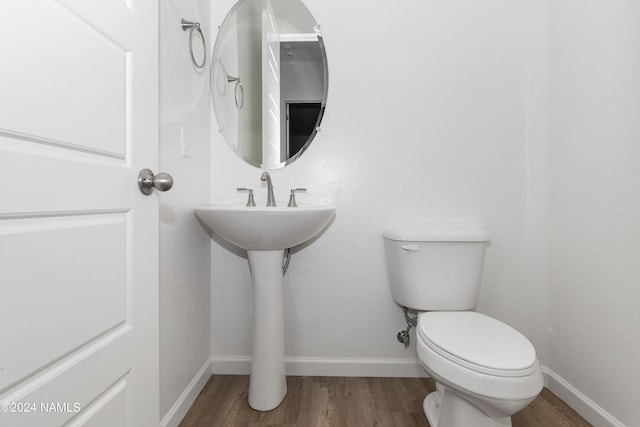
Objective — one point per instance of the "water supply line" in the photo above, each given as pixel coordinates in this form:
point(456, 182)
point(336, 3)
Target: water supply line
point(403, 336)
point(285, 262)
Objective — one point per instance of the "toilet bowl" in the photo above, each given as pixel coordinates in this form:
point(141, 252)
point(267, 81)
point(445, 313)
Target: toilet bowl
point(486, 370)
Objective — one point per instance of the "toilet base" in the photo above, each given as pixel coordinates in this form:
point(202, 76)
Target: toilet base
point(444, 408)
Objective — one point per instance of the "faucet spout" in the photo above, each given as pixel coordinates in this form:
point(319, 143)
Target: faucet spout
point(271, 200)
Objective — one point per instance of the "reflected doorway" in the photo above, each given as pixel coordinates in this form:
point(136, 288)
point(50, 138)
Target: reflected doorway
point(302, 119)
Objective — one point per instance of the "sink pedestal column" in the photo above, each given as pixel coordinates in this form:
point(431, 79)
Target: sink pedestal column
point(267, 382)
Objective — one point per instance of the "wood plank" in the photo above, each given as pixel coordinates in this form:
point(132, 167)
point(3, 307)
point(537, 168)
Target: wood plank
point(548, 410)
point(347, 402)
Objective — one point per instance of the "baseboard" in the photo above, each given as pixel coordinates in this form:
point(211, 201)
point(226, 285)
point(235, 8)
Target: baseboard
point(327, 367)
point(188, 396)
point(231, 365)
point(580, 403)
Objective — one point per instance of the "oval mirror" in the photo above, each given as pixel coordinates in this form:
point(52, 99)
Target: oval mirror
point(269, 80)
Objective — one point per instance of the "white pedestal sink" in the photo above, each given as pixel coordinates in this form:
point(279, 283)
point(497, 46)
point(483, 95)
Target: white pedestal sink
point(265, 233)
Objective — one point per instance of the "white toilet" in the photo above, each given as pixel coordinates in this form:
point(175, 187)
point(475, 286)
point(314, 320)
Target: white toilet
point(485, 371)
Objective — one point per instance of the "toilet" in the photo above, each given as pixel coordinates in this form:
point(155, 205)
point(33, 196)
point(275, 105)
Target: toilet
point(485, 371)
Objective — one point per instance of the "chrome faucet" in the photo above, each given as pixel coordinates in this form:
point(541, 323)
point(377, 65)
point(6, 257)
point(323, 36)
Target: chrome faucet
point(271, 200)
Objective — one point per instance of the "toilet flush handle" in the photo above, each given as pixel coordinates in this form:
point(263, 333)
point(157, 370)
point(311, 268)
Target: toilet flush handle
point(412, 247)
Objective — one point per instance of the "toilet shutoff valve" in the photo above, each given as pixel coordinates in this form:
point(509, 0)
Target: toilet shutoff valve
point(412, 321)
point(403, 337)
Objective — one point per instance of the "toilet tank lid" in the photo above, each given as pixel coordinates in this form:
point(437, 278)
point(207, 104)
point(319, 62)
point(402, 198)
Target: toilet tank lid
point(438, 233)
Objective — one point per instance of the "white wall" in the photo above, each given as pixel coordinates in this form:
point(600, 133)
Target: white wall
point(594, 289)
point(184, 246)
point(425, 117)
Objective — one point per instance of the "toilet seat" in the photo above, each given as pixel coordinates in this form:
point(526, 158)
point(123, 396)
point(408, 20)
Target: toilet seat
point(477, 342)
point(462, 350)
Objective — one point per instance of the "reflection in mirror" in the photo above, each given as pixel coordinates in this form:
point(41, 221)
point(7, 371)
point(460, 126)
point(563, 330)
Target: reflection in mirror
point(269, 80)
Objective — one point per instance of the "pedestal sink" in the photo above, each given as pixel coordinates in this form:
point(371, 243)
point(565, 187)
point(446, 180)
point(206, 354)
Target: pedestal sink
point(265, 232)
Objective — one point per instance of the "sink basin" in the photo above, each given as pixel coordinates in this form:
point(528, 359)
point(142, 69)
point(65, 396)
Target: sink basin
point(262, 228)
point(265, 233)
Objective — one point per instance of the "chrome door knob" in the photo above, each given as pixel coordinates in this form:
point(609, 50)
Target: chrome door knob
point(147, 181)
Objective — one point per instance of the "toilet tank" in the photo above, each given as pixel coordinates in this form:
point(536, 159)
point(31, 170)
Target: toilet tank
point(436, 267)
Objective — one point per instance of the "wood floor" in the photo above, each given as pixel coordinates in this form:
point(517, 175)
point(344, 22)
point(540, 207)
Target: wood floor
point(346, 402)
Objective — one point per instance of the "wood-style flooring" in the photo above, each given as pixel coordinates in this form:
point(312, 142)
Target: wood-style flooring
point(347, 402)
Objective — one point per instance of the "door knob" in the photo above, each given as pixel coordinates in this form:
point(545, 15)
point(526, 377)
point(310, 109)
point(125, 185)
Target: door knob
point(147, 181)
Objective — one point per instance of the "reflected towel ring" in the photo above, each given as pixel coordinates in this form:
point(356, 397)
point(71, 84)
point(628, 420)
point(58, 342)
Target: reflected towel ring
point(195, 26)
point(222, 78)
point(238, 91)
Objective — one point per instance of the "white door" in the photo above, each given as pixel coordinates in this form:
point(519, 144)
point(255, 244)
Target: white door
point(78, 241)
point(270, 88)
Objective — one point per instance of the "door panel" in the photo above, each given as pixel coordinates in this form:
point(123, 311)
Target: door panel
point(47, 180)
point(78, 242)
point(270, 88)
point(75, 384)
point(62, 57)
point(44, 271)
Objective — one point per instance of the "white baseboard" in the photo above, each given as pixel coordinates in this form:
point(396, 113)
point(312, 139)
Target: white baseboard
point(231, 365)
point(188, 396)
point(580, 403)
point(326, 367)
